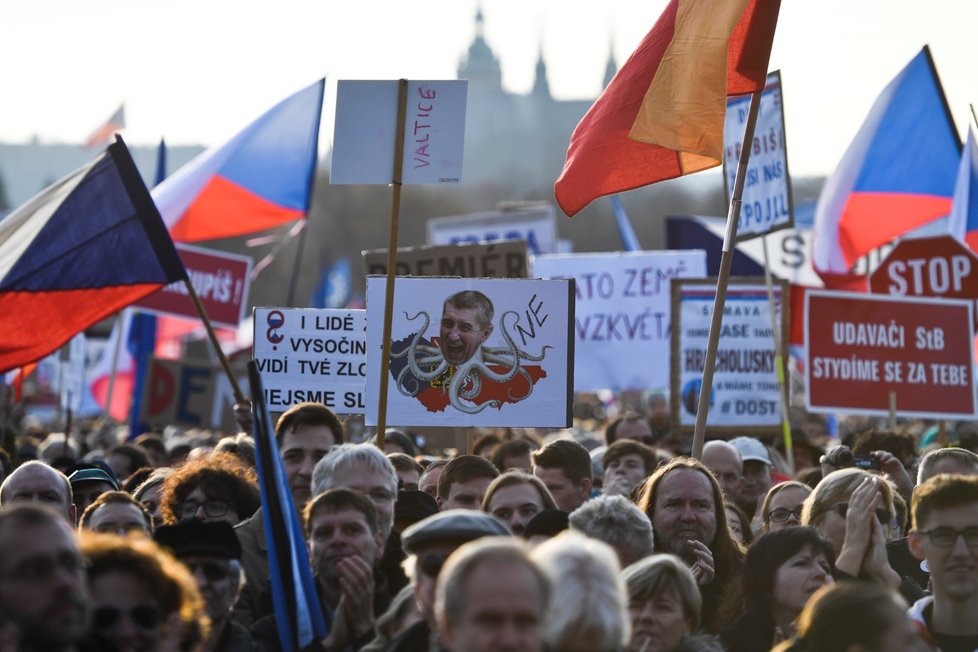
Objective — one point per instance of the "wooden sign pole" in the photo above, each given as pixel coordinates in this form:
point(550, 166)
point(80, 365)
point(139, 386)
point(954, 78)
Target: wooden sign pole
point(385, 356)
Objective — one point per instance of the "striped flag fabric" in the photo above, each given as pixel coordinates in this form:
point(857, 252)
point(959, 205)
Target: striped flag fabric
point(662, 115)
point(260, 179)
point(296, 603)
point(963, 221)
point(77, 252)
point(897, 174)
point(103, 134)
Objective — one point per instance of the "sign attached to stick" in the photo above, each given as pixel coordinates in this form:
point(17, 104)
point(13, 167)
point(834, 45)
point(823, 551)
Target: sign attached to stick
point(220, 280)
point(622, 313)
point(767, 190)
point(745, 392)
point(861, 347)
point(928, 267)
point(187, 393)
point(537, 226)
point(366, 128)
point(505, 259)
point(465, 352)
point(307, 354)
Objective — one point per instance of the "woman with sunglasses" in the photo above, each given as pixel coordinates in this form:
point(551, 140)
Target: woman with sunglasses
point(853, 509)
point(143, 600)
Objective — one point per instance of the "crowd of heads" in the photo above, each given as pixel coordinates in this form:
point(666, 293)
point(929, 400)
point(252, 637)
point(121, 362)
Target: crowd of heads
point(608, 538)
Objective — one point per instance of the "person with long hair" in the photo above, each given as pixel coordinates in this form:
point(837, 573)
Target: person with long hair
point(782, 570)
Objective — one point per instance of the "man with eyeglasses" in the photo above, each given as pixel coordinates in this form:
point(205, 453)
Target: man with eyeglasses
point(211, 552)
point(945, 533)
point(43, 596)
point(429, 543)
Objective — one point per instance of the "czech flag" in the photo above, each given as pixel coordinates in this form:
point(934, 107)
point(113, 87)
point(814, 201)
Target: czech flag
point(898, 173)
point(294, 597)
point(963, 223)
point(260, 179)
point(662, 115)
point(79, 251)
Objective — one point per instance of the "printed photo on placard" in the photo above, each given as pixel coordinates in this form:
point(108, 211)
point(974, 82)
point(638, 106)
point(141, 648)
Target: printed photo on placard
point(493, 352)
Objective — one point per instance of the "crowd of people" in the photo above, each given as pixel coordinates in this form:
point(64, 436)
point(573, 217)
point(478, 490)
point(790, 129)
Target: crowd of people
point(614, 540)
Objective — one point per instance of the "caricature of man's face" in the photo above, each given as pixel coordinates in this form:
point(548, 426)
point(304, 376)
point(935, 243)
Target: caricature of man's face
point(462, 333)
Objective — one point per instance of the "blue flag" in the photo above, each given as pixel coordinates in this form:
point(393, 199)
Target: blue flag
point(294, 596)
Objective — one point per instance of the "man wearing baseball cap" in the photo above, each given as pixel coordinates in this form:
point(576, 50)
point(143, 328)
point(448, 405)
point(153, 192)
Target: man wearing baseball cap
point(757, 473)
point(429, 543)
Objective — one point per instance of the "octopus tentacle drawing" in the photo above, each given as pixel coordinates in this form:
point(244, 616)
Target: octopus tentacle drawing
point(426, 362)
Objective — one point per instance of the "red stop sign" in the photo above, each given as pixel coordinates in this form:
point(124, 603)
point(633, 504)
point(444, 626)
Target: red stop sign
point(928, 267)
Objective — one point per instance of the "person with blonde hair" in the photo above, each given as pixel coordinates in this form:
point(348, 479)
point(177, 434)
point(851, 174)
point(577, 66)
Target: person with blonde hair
point(783, 504)
point(664, 603)
point(589, 610)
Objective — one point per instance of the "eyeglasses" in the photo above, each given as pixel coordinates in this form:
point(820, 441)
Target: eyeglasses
point(945, 537)
point(431, 564)
point(213, 508)
point(214, 571)
point(42, 569)
point(882, 515)
point(781, 514)
point(144, 616)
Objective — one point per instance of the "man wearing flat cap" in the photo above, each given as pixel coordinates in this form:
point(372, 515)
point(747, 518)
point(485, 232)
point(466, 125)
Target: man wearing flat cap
point(212, 553)
point(429, 543)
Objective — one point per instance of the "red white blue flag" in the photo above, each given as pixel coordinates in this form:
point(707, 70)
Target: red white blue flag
point(963, 223)
point(79, 251)
point(260, 179)
point(897, 175)
point(104, 133)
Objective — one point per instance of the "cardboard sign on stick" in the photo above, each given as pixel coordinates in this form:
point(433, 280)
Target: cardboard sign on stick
point(622, 313)
point(745, 382)
point(366, 127)
point(465, 352)
point(862, 347)
point(309, 354)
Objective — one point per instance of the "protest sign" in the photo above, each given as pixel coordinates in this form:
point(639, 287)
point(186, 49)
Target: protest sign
point(537, 225)
point(745, 392)
point(466, 352)
point(789, 249)
point(188, 393)
point(501, 259)
point(308, 354)
point(622, 313)
point(862, 347)
point(220, 280)
point(767, 189)
point(928, 267)
point(366, 128)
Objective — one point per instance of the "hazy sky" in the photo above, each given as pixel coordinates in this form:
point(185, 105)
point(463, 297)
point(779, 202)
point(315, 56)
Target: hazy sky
point(196, 71)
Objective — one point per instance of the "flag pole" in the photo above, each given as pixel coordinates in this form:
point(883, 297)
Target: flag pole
point(726, 259)
point(297, 263)
point(779, 361)
point(239, 396)
point(385, 356)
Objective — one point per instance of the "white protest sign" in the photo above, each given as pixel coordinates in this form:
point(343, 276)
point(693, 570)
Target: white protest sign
point(309, 354)
point(538, 226)
point(745, 381)
point(73, 374)
point(622, 314)
point(465, 352)
point(767, 190)
point(366, 128)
